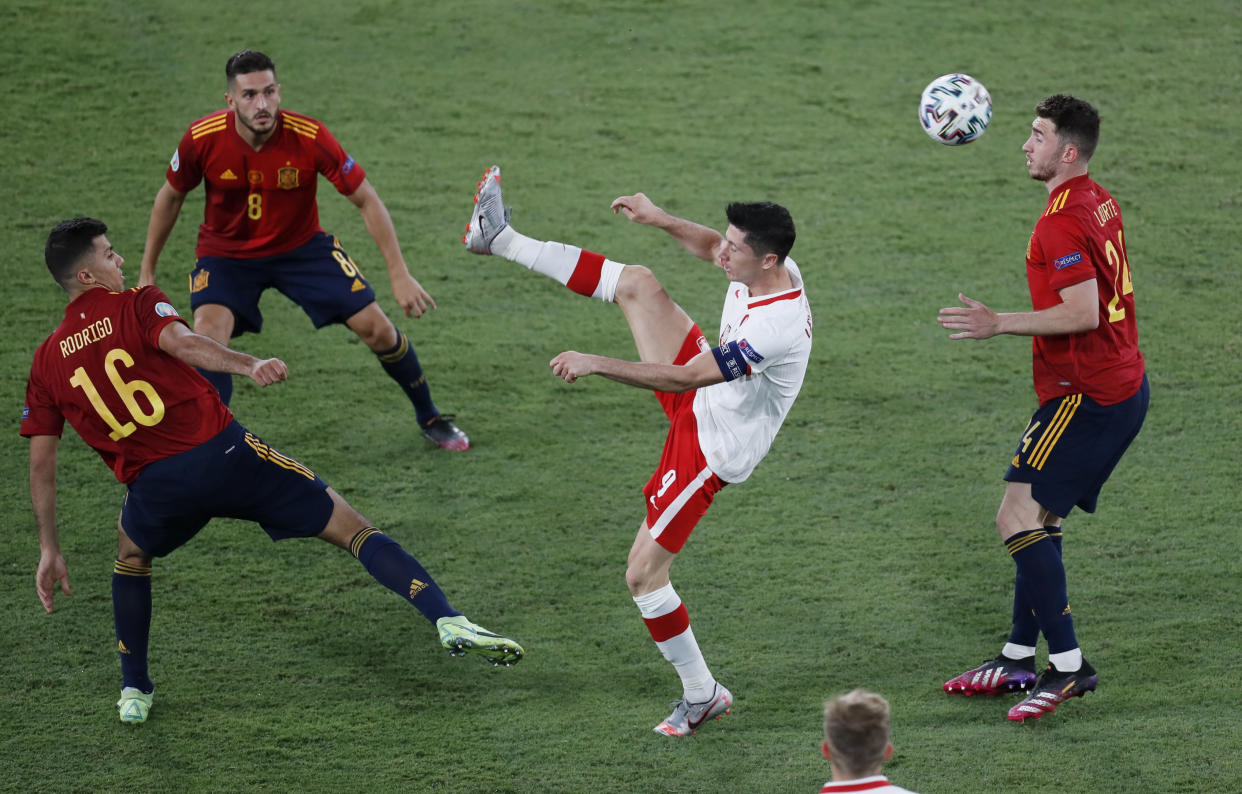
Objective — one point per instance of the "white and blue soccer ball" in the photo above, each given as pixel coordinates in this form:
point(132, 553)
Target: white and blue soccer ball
point(955, 109)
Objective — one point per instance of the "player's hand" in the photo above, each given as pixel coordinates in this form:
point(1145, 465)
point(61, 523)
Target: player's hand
point(637, 208)
point(571, 365)
point(971, 321)
point(411, 297)
point(267, 371)
point(51, 570)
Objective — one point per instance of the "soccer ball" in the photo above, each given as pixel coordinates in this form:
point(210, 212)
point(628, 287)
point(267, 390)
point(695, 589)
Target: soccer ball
point(955, 109)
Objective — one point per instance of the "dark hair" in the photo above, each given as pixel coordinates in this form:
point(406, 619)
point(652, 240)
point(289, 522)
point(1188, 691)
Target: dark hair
point(248, 61)
point(68, 243)
point(1078, 122)
point(768, 227)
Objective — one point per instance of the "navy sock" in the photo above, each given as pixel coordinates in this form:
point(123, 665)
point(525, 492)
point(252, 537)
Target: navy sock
point(1043, 580)
point(223, 382)
point(394, 568)
point(131, 611)
point(401, 364)
point(1025, 629)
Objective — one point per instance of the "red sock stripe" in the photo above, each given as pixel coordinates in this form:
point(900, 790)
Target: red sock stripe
point(586, 273)
point(666, 627)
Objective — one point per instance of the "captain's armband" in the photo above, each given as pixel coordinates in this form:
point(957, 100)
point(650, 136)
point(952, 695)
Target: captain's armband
point(731, 361)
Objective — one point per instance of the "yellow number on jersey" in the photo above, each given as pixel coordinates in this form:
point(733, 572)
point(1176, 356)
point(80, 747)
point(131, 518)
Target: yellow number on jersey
point(346, 263)
point(126, 390)
point(1122, 285)
point(254, 206)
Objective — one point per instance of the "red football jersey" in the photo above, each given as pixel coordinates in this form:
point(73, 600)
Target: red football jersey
point(1080, 237)
point(104, 371)
point(259, 203)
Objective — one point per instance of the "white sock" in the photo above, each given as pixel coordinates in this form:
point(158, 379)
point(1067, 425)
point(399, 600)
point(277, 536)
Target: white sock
point(681, 650)
point(559, 261)
point(1066, 661)
point(1016, 652)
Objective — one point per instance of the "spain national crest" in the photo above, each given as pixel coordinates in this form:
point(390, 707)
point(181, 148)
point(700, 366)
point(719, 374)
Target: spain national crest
point(287, 178)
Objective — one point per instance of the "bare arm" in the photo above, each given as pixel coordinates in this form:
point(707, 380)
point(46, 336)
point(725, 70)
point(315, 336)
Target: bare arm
point(699, 371)
point(204, 352)
point(1079, 310)
point(410, 295)
point(700, 241)
point(52, 568)
point(164, 214)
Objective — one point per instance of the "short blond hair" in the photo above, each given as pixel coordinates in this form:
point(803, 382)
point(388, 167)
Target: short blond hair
point(857, 730)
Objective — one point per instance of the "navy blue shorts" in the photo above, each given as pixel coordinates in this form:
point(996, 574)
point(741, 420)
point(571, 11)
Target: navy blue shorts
point(318, 276)
point(1071, 447)
point(233, 475)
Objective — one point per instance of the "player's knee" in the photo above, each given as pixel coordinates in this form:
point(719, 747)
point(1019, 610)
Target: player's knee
point(635, 580)
point(642, 575)
point(343, 524)
point(374, 328)
point(128, 552)
point(637, 283)
point(214, 321)
point(1010, 522)
point(380, 336)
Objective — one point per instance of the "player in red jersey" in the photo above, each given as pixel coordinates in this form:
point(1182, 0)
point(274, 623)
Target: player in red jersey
point(260, 167)
point(1093, 394)
point(120, 369)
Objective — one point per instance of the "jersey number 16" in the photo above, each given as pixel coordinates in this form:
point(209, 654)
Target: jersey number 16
point(126, 390)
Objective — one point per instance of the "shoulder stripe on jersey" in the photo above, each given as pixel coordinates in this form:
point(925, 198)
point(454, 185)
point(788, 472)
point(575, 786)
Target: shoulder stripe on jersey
point(218, 124)
point(774, 298)
point(301, 126)
point(214, 118)
point(1058, 203)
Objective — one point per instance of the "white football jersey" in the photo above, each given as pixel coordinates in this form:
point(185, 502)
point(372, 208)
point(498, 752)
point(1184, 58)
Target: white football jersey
point(877, 784)
point(739, 418)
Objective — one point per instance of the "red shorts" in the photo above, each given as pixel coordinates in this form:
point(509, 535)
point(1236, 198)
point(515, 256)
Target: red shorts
point(682, 488)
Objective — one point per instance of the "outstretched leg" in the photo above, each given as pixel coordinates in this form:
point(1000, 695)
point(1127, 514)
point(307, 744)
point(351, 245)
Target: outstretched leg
point(397, 570)
point(657, 323)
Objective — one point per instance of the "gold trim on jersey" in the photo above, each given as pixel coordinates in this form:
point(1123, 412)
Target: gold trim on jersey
point(1048, 440)
point(272, 456)
point(209, 125)
point(1058, 203)
point(302, 126)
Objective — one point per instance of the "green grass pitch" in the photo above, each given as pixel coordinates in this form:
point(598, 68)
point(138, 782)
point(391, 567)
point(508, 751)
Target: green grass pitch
point(861, 553)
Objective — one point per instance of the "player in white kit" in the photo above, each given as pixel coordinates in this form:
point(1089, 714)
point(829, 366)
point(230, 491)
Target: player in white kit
point(725, 402)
